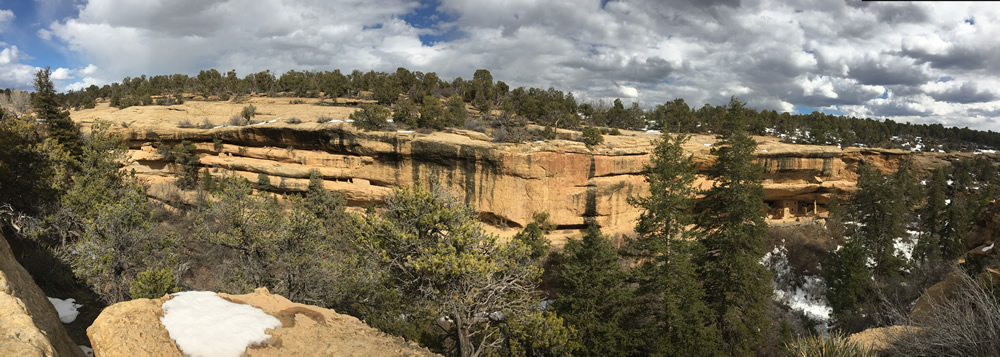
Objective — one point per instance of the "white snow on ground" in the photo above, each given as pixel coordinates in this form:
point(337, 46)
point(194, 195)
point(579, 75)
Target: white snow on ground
point(404, 131)
point(349, 121)
point(87, 351)
point(66, 308)
point(764, 150)
point(204, 324)
point(653, 131)
point(266, 122)
point(904, 245)
point(808, 298)
point(987, 248)
point(708, 144)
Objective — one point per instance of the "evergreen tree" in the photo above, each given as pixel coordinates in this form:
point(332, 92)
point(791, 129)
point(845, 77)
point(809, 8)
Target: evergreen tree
point(958, 223)
point(594, 296)
point(737, 286)
point(848, 281)
point(46, 106)
point(933, 218)
point(880, 210)
point(674, 317)
point(187, 164)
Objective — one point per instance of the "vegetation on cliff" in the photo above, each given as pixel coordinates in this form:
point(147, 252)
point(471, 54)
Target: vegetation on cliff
point(496, 102)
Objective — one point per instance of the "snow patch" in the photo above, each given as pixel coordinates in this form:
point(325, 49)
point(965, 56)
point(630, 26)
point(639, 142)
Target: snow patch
point(67, 309)
point(204, 324)
point(904, 246)
point(809, 297)
point(87, 351)
point(266, 122)
point(987, 248)
point(404, 131)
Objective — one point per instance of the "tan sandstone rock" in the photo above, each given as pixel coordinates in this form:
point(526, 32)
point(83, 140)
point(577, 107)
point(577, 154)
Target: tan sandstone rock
point(506, 183)
point(133, 328)
point(29, 325)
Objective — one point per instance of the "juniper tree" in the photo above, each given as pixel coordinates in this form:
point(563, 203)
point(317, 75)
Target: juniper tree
point(595, 297)
point(673, 319)
point(431, 252)
point(737, 286)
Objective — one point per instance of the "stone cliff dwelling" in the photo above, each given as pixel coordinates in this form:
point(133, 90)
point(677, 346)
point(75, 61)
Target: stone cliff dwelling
point(782, 210)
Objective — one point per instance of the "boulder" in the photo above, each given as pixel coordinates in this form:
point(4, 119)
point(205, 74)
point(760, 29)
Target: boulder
point(133, 328)
point(29, 324)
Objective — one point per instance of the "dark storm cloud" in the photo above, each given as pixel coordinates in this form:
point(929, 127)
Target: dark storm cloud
point(875, 72)
point(957, 57)
point(967, 93)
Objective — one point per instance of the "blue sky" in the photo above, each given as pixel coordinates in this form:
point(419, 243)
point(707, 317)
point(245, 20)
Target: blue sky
point(922, 62)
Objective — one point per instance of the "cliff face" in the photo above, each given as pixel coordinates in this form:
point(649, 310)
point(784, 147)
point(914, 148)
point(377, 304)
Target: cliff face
point(133, 328)
point(506, 183)
point(29, 325)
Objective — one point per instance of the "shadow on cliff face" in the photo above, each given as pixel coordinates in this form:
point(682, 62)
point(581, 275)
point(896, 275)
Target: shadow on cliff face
point(56, 280)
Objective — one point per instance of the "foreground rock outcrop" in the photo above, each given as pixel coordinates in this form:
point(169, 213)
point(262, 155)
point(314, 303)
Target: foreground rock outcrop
point(133, 328)
point(29, 325)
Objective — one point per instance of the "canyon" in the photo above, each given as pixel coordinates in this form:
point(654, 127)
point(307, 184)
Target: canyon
point(506, 183)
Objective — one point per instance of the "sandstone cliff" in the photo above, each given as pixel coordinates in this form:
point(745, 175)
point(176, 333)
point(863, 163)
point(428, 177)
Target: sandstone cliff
point(506, 183)
point(133, 328)
point(29, 325)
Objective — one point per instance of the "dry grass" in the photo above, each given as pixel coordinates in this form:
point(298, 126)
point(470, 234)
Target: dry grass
point(157, 117)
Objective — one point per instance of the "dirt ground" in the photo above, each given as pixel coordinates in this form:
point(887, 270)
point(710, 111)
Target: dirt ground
point(215, 112)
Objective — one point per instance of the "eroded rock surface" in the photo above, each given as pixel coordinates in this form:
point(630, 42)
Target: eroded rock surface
point(507, 183)
point(133, 328)
point(29, 325)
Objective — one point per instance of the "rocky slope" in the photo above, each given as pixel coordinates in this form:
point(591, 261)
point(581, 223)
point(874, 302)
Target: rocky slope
point(133, 328)
point(29, 325)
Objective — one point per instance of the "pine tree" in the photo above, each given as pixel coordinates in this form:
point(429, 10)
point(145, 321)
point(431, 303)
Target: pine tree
point(674, 318)
point(737, 286)
point(848, 281)
point(933, 218)
point(594, 296)
point(880, 210)
point(46, 107)
point(957, 225)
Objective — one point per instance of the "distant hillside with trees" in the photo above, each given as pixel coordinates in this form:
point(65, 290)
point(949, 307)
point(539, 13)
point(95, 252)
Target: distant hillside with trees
point(502, 107)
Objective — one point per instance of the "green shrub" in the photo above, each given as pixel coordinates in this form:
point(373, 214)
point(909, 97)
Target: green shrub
point(371, 117)
point(533, 237)
point(294, 120)
point(205, 124)
point(248, 113)
point(185, 124)
point(592, 136)
point(263, 182)
point(153, 283)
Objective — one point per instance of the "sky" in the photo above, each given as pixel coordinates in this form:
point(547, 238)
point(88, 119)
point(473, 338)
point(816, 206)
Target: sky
point(921, 62)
